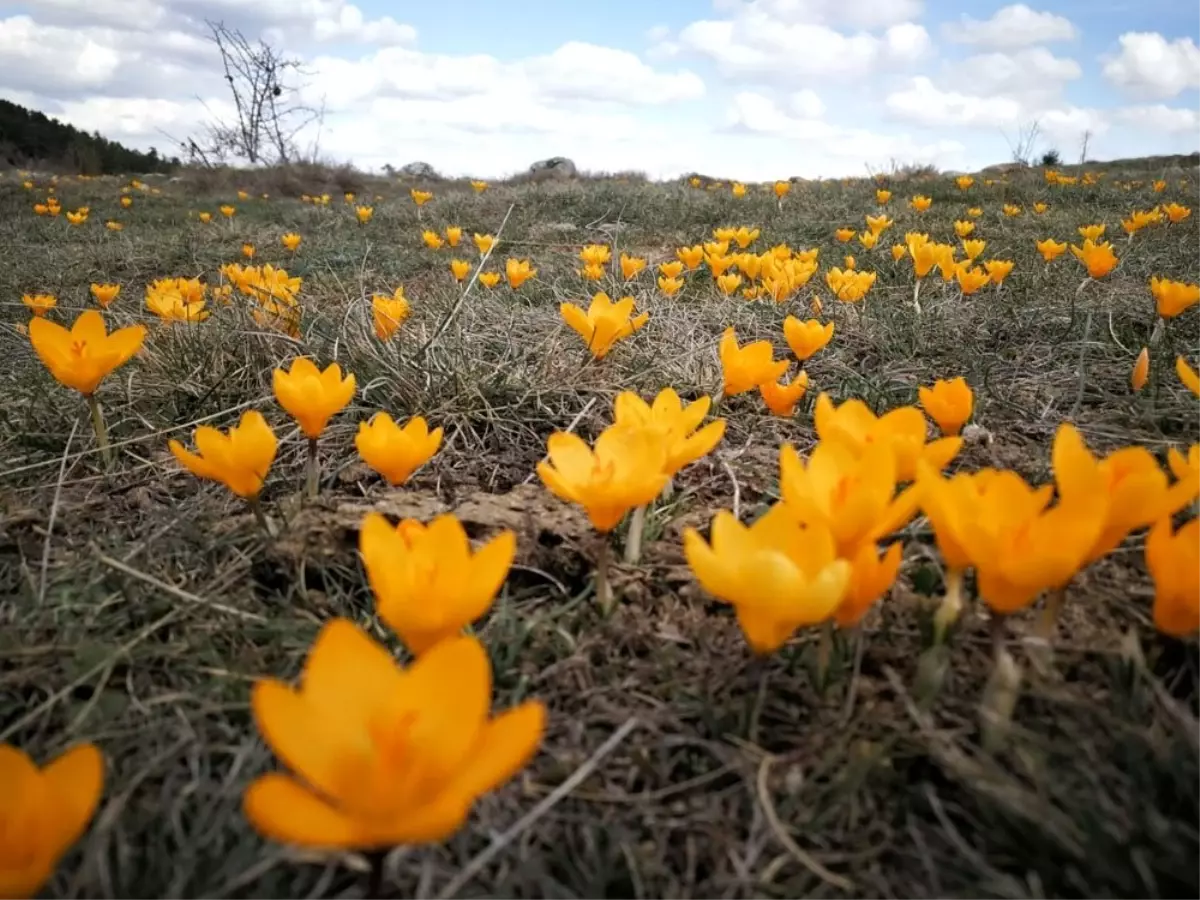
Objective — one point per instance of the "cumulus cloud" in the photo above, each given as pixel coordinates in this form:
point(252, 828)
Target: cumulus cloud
point(574, 73)
point(759, 48)
point(924, 103)
point(1012, 26)
point(1161, 118)
point(790, 41)
point(868, 14)
point(835, 149)
point(1035, 70)
point(1150, 66)
point(811, 87)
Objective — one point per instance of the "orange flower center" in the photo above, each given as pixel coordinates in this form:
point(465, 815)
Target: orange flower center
point(79, 348)
point(391, 736)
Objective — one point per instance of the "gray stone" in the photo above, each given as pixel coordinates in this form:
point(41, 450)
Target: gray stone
point(418, 170)
point(558, 166)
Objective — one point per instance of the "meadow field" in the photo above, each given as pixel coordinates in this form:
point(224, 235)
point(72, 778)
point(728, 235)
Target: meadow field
point(1022, 747)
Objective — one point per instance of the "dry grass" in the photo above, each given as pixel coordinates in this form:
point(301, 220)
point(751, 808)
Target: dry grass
point(139, 606)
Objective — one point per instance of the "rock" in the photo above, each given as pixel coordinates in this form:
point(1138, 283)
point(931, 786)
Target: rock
point(418, 170)
point(1003, 168)
point(557, 166)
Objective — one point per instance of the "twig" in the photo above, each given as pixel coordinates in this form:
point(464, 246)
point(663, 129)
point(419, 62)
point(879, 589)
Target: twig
point(445, 323)
point(62, 474)
point(21, 722)
point(737, 490)
point(1087, 332)
point(178, 593)
point(801, 855)
point(140, 438)
point(476, 864)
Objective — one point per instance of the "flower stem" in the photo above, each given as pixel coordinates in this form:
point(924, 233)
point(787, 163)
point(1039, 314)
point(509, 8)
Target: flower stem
point(256, 507)
point(668, 490)
point(376, 860)
point(604, 595)
point(1041, 642)
point(633, 540)
point(951, 606)
point(313, 469)
point(1002, 690)
point(916, 295)
point(101, 429)
point(824, 654)
point(1050, 612)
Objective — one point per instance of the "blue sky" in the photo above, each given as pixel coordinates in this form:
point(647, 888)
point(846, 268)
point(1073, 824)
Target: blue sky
point(754, 89)
point(545, 24)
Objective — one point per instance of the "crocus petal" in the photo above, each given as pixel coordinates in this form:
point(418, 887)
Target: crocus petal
point(281, 809)
point(75, 780)
point(296, 732)
point(488, 570)
point(348, 676)
point(505, 746)
point(577, 319)
point(451, 687)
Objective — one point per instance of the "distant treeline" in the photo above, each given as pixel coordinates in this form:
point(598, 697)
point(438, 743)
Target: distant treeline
point(30, 138)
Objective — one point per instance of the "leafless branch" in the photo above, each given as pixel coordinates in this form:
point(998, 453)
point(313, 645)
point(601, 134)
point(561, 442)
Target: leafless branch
point(265, 87)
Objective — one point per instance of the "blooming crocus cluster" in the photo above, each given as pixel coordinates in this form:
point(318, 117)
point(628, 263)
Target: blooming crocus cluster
point(178, 299)
point(815, 556)
point(1173, 297)
point(1099, 259)
point(388, 313)
point(1022, 540)
point(240, 459)
point(849, 285)
point(273, 291)
point(393, 451)
point(605, 322)
point(359, 728)
point(312, 397)
point(518, 271)
point(39, 304)
point(1051, 249)
point(1140, 219)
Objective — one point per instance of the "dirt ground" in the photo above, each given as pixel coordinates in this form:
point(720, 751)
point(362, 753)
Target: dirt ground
point(138, 606)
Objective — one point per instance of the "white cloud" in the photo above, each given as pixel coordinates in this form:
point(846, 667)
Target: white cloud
point(923, 103)
point(293, 20)
point(800, 71)
point(81, 62)
point(580, 71)
point(836, 149)
point(1068, 125)
point(1152, 67)
point(868, 14)
point(576, 72)
point(806, 104)
point(1161, 118)
point(1010, 27)
point(141, 120)
point(758, 114)
point(753, 45)
point(127, 14)
point(1035, 70)
point(350, 26)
